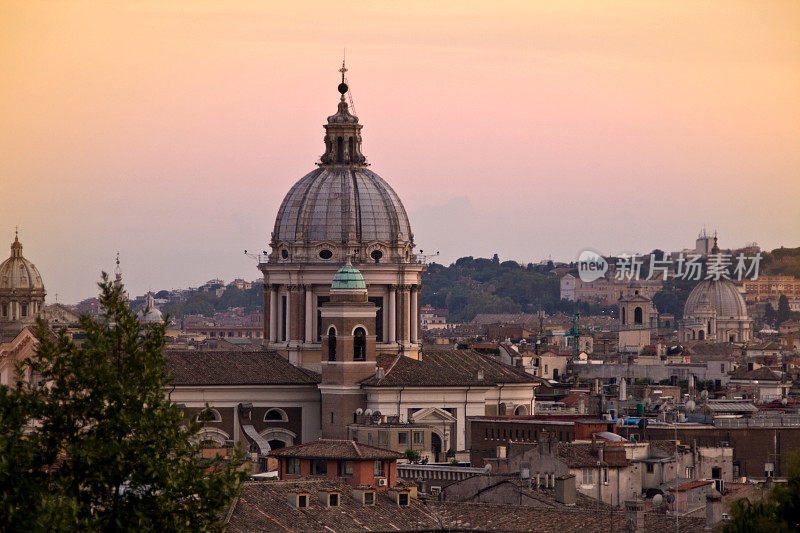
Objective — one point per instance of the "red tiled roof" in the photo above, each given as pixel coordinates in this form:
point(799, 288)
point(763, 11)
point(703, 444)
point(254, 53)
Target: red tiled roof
point(689, 485)
point(336, 449)
point(263, 507)
point(197, 367)
point(446, 367)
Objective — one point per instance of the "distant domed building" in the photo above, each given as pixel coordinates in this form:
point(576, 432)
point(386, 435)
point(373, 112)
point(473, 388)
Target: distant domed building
point(21, 291)
point(715, 310)
point(340, 211)
point(150, 313)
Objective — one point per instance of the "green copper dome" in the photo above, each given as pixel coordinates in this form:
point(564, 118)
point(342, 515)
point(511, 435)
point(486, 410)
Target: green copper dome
point(348, 278)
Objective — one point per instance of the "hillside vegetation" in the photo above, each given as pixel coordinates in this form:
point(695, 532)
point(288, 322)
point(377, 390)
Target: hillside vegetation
point(471, 286)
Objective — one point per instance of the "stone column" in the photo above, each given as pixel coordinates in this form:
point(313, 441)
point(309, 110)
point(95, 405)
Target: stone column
point(414, 314)
point(267, 312)
point(392, 308)
point(273, 313)
point(406, 313)
point(309, 313)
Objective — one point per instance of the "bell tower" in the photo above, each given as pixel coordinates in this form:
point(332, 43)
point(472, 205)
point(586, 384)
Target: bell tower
point(348, 349)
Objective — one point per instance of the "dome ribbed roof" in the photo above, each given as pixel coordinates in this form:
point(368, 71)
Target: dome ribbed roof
point(721, 295)
point(19, 274)
point(342, 204)
point(348, 278)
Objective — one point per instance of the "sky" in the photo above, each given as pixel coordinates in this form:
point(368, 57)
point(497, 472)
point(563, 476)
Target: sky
point(170, 130)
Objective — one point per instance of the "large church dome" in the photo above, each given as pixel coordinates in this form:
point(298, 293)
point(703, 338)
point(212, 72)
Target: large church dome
point(342, 209)
point(341, 205)
point(722, 296)
point(17, 274)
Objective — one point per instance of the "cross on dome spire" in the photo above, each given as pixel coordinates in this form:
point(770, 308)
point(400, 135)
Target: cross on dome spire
point(343, 132)
point(16, 246)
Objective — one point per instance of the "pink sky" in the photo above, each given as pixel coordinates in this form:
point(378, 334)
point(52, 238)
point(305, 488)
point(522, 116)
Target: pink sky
point(170, 131)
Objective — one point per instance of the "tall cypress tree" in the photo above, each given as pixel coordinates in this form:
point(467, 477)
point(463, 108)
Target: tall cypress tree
point(89, 441)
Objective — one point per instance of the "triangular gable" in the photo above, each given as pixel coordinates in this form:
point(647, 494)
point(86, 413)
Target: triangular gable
point(432, 414)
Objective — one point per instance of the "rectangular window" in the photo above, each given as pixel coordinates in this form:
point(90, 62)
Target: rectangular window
point(293, 465)
point(689, 472)
point(383, 438)
point(333, 499)
point(319, 467)
point(302, 501)
point(369, 498)
point(346, 468)
point(379, 472)
point(23, 309)
point(402, 437)
point(283, 318)
point(588, 476)
point(650, 468)
point(419, 437)
point(605, 476)
point(402, 499)
point(369, 439)
point(320, 300)
point(378, 301)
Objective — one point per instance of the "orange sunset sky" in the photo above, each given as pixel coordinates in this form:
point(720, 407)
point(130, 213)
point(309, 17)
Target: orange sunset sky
point(170, 130)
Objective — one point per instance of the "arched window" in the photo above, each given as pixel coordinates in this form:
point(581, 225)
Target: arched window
point(212, 415)
point(623, 316)
point(5, 309)
point(701, 335)
point(359, 345)
point(339, 150)
point(275, 415)
point(350, 148)
point(637, 316)
point(332, 344)
point(709, 327)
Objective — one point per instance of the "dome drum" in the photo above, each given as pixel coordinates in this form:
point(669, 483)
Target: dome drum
point(21, 289)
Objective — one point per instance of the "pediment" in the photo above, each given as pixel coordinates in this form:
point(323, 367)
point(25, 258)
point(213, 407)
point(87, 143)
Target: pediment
point(432, 414)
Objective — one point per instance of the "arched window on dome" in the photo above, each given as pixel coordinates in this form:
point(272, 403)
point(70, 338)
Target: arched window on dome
point(339, 150)
point(637, 316)
point(359, 345)
point(332, 344)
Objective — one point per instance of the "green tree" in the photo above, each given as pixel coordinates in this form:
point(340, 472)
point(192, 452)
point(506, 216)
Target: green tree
point(91, 442)
point(784, 312)
point(778, 512)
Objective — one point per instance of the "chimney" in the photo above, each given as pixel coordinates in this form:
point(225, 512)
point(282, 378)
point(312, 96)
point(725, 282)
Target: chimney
point(565, 489)
point(713, 509)
point(623, 389)
point(537, 480)
point(634, 516)
point(479, 375)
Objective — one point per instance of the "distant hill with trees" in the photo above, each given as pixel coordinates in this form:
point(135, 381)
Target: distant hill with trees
point(207, 303)
point(479, 285)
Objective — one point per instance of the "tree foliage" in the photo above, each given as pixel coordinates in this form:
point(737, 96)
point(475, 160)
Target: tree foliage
point(91, 442)
point(778, 512)
point(478, 285)
point(207, 302)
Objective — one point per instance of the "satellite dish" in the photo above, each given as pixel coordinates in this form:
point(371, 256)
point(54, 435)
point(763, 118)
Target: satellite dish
point(704, 395)
point(359, 411)
point(690, 405)
point(670, 498)
point(658, 499)
point(376, 415)
point(368, 412)
point(784, 401)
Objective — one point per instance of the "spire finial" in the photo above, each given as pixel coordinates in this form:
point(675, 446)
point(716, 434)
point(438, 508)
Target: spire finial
point(343, 86)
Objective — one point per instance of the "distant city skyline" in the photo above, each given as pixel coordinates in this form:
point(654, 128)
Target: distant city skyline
point(171, 132)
